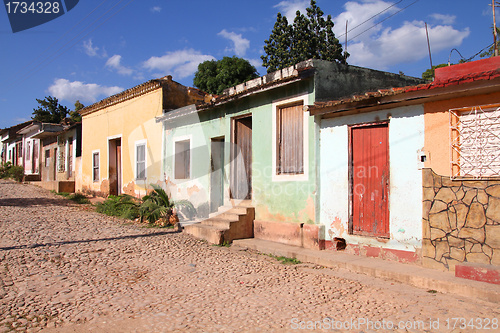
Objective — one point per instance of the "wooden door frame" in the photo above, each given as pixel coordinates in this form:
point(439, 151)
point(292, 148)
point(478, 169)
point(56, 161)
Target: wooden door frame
point(220, 139)
point(234, 149)
point(351, 175)
point(112, 140)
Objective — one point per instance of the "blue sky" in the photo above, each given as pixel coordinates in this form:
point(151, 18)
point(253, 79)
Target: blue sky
point(102, 47)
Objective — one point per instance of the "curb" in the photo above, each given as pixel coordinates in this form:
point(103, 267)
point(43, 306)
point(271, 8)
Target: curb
point(416, 276)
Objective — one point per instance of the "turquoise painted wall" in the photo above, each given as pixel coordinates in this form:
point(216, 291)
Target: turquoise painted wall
point(274, 199)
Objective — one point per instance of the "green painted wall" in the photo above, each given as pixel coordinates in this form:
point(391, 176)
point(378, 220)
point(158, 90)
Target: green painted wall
point(291, 201)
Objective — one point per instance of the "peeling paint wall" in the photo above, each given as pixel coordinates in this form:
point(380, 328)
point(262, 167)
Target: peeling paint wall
point(283, 201)
point(132, 121)
point(199, 132)
point(406, 138)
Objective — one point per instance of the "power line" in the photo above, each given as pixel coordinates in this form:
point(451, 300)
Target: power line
point(475, 55)
point(379, 13)
point(388, 17)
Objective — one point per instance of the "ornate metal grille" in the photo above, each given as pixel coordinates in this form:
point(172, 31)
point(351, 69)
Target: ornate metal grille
point(475, 141)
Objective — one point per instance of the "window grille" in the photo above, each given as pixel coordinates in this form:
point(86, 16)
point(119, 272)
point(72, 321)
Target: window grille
point(475, 141)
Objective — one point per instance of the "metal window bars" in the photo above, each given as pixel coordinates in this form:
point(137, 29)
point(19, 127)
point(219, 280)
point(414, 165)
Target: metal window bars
point(475, 142)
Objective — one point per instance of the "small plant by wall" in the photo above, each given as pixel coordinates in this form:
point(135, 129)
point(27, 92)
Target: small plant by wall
point(9, 171)
point(155, 208)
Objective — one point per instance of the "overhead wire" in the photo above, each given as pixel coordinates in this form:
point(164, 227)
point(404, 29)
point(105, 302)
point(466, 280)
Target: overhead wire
point(379, 13)
point(388, 17)
point(475, 55)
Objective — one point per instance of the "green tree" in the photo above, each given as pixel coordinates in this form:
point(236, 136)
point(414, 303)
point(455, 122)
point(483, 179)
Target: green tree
point(428, 75)
point(213, 76)
point(75, 116)
point(278, 46)
point(309, 37)
point(50, 111)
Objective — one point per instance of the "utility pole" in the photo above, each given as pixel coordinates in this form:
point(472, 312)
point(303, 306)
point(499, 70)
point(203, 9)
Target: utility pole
point(495, 46)
point(428, 43)
point(345, 49)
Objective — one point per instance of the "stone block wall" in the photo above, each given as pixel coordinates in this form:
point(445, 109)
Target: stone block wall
point(461, 221)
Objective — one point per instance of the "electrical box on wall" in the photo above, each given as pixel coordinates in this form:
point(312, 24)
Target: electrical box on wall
point(422, 156)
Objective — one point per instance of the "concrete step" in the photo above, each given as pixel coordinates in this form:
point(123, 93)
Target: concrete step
point(230, 223)
point(219, 223)
point(232, 210)
point(229, 216)
point(212, 234)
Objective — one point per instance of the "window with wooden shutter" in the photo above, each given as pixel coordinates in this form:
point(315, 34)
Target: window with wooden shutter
point(95, 166)
point(290, 140)
point(141, 161)
point(182, 159)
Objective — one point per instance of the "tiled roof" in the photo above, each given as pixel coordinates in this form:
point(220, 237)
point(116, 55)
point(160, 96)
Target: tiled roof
point(285, 75)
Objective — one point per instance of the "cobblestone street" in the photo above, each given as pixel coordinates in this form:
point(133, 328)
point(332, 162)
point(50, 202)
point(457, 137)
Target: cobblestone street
point(65, 268)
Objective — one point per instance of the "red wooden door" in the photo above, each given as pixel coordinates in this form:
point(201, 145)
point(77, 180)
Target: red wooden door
point(370, 180)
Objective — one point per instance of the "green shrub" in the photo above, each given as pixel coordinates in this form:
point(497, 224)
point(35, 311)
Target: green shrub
point(79, 198)
point(124, 206)
point(156, 207)
point(16, 172)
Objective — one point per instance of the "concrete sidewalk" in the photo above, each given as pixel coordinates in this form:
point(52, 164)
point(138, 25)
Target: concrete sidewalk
point(444, 282)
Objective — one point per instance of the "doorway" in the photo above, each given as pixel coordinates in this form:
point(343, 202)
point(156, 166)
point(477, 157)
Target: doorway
point(216, 174)
point(369, 175)
point(241, 166)
point(115, 166)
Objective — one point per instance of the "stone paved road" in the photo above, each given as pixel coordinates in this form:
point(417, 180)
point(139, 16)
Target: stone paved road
point(65, 268)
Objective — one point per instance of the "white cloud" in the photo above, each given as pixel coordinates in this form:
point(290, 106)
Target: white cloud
point(444, 19)
point(289, 8)
point(405, 44)
point(114, 62)
point(360, 17)
point(255, 62)
point(156, 9)
point(240, 44)
point(91, 50)
point(181, 63)
point(85, 92)
point(382, 47)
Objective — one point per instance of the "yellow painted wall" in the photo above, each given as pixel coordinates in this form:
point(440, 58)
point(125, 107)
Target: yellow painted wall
point(132, 120)
point(437, 128)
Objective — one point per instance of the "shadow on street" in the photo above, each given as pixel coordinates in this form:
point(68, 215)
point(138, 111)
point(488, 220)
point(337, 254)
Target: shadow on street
point(32, 246)
point(26, 202)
